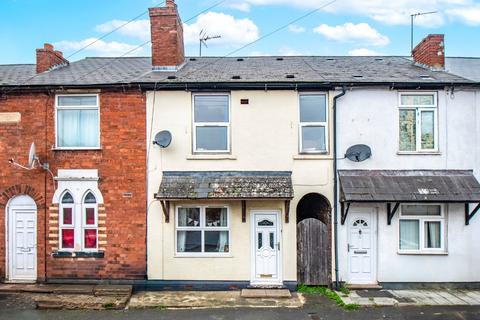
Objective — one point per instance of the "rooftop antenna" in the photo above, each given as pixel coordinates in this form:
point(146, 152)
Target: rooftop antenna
point(204, 38)
point(412, 18)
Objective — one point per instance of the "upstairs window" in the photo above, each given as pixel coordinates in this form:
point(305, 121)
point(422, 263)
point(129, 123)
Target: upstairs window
point(418, 122)
point(313, 123)
point(211, 123)
point(78, 125)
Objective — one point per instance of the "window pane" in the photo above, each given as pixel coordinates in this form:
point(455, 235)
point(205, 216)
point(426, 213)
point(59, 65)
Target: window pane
point(421, 210)
point(216, 217)
point(211, 108)
point(272, 240)
point(432, 234)
point(90, 198)
point(313, 108)
point(417, 100)
point(212, 138)
point(77, 101)
point(408, 124)
point(189, 241)
point(90, 238)
point(68, 238)
point(427, 118)
point(216, 241)
point(78, 128)
point(260, 240)
point(89, 216)
point(67, 216)
point(313, 138)
point(67, 198)
point(409, 235)
point(189, 217)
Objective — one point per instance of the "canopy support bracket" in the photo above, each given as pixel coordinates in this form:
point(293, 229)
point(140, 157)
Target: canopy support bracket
point(244, 211)
point(287, 211)
point(469, 215)
point(390, 212)
point(344, 211)
point(166, 210)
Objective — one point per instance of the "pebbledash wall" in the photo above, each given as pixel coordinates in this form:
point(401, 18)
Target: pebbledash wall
point(121, 170)
point(370, 116)
point(264, 137)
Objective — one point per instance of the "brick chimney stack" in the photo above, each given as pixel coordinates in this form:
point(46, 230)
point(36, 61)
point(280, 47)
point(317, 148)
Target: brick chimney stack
point(48, 58)
point(167, 37)
point(430, 52)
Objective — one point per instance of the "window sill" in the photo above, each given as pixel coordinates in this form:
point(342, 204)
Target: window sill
point(227, 255)
point(316, 156)
point(423, 253)
point(211, 157)
point(77, 149)
point(78, 254)
point(419, 153)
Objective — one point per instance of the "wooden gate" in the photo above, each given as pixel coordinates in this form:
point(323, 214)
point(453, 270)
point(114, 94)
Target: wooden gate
point(312, 252)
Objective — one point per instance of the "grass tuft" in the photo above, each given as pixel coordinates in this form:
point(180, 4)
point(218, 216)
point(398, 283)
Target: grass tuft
point(327, 293)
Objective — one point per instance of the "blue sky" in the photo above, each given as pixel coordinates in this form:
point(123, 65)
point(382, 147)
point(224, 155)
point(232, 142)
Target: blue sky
point(346, 27)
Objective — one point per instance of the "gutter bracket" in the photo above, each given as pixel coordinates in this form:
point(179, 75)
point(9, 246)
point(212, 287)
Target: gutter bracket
point(166, 210)
point(469, 215)
point(390, 212)
point(344, 211)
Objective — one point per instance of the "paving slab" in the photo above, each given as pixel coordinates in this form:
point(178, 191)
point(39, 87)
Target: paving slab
point(265, 293)
point(80, 301)
point(209, 299)
point(74, 289)
point(112, 290)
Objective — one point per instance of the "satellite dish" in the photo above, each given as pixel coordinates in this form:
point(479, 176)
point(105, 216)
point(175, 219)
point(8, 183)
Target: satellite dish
point(32, 155)
point(163, 138)
point(358, 153)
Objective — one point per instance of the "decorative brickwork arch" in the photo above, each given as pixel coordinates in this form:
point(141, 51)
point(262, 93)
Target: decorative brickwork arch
point(20, 189)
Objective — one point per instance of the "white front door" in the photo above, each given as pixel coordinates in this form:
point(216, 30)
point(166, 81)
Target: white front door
point(22, 239)
point(266, 248)
point(361, 248)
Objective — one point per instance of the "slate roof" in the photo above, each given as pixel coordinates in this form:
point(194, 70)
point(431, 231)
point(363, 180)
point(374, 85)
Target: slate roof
point(468, 68)
point(225, 185)
point(338, 69)
point(408, 186)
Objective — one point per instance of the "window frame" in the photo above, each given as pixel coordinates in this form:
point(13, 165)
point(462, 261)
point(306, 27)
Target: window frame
point(84, 224)
point(66, 226)
point(96, 107)
point(325, 124)
point(421, 232)
point(418, 123)
point(202, 228)
point(211, 124)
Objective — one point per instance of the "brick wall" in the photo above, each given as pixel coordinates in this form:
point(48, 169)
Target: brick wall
point(47, 58)
point(430, 51)
point(121, 167)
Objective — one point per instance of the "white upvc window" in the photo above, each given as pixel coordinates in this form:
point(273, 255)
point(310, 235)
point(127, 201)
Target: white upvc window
point(77, 121)
point(418, 120)
point(78, 223)
point(202, 231)
point(422, 228)
point(313, 123)
point(211, 123)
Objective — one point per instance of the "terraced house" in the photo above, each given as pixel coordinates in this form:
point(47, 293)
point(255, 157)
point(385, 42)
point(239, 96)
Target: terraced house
point(222, 172)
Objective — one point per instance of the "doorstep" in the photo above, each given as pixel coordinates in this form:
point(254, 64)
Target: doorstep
point(265, 293)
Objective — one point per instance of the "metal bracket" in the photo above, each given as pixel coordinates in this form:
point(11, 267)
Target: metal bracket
point(166, 210)
point(390, 212)
point(344, 211)
point(244, 211)
point(287, 211)
point(469, 215)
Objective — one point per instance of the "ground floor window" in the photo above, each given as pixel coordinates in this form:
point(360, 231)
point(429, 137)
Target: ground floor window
point(422, 228)
point(202, 230)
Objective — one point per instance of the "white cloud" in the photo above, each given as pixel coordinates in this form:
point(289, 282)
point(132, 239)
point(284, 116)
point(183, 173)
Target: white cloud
point(241, 6)
point(386, 11)
point(287, 51)
point(350, 32)
point(136, 29)
point(100, 47)
point(233, 31)
point(363, 52)
point(470, 15)
point(296, 29)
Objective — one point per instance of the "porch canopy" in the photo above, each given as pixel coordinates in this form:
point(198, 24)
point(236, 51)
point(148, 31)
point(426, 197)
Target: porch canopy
point(408, 186)
point(225, 185)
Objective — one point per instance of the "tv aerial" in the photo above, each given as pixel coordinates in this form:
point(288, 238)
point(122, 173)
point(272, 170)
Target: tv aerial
point(358, 153)
point(163, 139)
point(203, 40)
point(412, 20)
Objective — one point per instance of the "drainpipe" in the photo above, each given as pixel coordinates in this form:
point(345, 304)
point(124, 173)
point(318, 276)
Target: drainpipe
point(335, 183)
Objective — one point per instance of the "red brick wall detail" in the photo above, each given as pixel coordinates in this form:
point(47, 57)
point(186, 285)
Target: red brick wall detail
point(430, 51)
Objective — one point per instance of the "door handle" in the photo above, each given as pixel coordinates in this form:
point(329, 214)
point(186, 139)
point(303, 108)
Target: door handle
point(278, 246)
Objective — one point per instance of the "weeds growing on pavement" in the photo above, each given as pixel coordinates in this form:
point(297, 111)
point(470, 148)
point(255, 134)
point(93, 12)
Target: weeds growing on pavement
point(327, 293)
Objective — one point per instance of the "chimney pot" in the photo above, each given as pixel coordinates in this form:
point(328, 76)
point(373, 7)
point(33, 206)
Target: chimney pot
point(48, 46)
point(430, 52)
